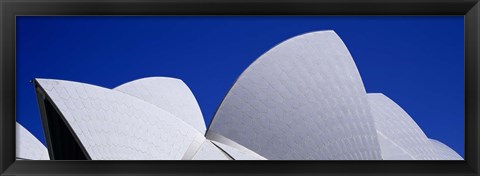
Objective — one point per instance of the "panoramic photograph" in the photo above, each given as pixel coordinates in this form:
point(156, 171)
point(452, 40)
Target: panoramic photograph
point(240, 88)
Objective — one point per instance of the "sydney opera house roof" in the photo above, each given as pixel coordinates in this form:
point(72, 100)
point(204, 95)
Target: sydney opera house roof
point(28, 146)
point(302, 100)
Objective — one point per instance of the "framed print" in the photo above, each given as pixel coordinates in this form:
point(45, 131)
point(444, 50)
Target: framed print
point(281, 87)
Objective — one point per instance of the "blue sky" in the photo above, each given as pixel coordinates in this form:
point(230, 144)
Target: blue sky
point(417, 60)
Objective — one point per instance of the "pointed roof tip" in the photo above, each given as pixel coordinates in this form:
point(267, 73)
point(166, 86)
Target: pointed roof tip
point(317, 34)
point(42, 81)
point(311, 34)
point(331, 31)
point(46, 79)
point(327, 30)
point(36, 81)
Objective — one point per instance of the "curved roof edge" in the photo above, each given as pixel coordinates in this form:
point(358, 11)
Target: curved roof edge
point(76, 82)
point(147, 78)
point(398, 127)
point(28, 147)
point(255, 61)
point(265, 78)
point(444, 152)
point(170, 94)
point(90, 109)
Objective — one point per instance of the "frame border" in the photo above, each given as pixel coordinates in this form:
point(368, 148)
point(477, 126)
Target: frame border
point(9, 9)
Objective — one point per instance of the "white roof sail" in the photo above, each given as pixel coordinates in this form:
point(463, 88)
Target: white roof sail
point(170, 94)
point(28, 146)
point(114, 125)
point(394, 124)
point(443, 152)
point(303, 99)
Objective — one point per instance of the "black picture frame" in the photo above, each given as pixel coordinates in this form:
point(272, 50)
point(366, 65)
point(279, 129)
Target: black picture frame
point(9, 9)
